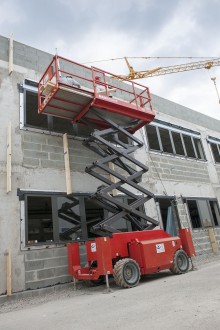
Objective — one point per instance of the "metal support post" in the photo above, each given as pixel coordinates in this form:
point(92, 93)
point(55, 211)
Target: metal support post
point(107, 283)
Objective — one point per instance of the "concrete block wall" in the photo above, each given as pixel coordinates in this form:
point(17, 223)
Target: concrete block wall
point(25, 56)
point(217, 236)
point(182, 213)
point(202, 242)
point(46, 151)
point(217, 168)
point(46, 267)
point(176, 169)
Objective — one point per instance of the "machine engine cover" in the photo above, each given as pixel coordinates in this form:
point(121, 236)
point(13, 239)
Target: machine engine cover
point(154, 255)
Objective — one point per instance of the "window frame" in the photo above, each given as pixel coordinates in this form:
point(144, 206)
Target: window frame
point(31, 86)
point(182, 132)
point(216, 142)
point(208, 200)
point(23, 196)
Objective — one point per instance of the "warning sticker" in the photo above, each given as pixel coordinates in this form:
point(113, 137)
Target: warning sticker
point(160, 248)
point(93, 247)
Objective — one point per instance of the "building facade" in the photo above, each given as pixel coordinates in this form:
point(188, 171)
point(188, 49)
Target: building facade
point(181, 148)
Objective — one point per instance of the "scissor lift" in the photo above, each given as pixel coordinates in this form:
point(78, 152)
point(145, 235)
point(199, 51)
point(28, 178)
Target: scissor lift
point(98, 99)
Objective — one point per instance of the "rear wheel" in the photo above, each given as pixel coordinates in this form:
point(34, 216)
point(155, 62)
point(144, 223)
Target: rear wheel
point(180, 263)
point(126, 273)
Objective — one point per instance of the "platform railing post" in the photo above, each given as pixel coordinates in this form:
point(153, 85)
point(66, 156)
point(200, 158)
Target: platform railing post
point(56, 70)
point(135, 95)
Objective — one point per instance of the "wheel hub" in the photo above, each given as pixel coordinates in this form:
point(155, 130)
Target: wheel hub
point(128, 272)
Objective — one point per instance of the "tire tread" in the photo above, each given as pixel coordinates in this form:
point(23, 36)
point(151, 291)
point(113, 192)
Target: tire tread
point(118, 273)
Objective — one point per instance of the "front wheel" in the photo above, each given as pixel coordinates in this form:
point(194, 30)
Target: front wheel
point(126, 273)
point(180, 263)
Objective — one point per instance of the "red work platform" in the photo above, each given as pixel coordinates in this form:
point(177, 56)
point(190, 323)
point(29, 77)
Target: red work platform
point(76, 92)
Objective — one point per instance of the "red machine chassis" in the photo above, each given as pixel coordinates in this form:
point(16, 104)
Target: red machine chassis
point(153, 250)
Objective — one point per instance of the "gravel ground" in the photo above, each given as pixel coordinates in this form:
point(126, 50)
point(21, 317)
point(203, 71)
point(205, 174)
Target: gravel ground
point(160, 301)
point(85, 288)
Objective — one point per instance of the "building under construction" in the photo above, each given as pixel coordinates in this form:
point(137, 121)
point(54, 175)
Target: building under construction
point(46, 192)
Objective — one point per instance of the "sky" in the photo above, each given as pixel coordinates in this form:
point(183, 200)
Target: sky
point(86, 31)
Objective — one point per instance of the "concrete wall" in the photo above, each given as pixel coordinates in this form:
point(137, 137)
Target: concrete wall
point(37, 163)
point(46, 267)
point(46, 152)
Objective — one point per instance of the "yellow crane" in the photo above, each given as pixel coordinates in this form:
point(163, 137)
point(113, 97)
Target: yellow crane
point(159, 71)
point(207, 64)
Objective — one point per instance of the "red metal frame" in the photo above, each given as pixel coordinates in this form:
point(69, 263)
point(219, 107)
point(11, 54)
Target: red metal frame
point(187, 242)
point(138, 104)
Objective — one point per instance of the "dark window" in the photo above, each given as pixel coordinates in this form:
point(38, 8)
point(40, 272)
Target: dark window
point(194, 214)
point(215, 212)
point(203, 213)
point(40, 219)
point(199, 148)
point(178, 144)
point(94, 214)
point(47, 122)
point(165, 140)
point(57, 219)
point(168, 215)
point(152, 137)
point(32, 118)
point(215, 152)
point(69, 220)
point(189, 146)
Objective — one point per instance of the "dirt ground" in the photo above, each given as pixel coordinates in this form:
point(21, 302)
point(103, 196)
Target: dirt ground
point(161, 301)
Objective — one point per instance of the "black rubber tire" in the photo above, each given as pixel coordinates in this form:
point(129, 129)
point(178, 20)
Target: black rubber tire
point(126, 273)
point(180, 263)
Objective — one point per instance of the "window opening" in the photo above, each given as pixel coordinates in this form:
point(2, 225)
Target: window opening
point(168, 216)
point(94, 214)
point(203, 213)
point(47, 122)
point(178, 143)
point(166, 141)
point(32, 117)
point(69, 220)
point(39, 219)
point(189, 146)
point(215, 152)
point(194, 214)
point(152, 137)
point(215, 212)
point(199, 148)
point(170, 141)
